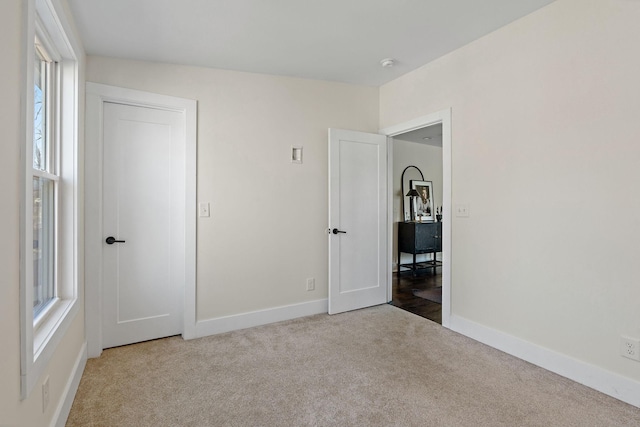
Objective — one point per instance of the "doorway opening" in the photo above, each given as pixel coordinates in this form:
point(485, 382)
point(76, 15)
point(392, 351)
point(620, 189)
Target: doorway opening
point(423, 284)
point(417, 278)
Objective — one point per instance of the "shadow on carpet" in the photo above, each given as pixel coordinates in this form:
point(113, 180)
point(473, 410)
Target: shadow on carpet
point(433, 294)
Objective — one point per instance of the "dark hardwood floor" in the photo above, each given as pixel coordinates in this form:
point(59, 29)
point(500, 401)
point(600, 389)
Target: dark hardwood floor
point(403, 297)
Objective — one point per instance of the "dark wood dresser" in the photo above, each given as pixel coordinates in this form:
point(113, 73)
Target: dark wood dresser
point(419, 238)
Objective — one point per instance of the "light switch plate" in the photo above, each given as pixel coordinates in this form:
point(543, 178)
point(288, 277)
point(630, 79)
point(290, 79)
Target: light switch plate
point(203, 210)
point(462, 210)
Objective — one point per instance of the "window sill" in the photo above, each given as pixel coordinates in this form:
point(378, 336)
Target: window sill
point(46, 338)
point(46, 327)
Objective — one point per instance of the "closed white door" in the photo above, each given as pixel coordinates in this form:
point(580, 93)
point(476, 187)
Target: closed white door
point(144, 212)
point(357, 220)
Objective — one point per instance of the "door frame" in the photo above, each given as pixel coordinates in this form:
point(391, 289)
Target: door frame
point(440, 117)
point(96, 96)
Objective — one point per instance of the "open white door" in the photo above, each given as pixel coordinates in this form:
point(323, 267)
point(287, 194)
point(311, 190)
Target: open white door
point(357, 220)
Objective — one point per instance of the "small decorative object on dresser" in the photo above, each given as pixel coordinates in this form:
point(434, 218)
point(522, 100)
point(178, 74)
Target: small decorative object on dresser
point(423, 208)
point(411, 194)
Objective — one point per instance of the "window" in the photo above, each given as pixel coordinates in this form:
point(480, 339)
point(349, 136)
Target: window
point(51, 228)
point(45, 181)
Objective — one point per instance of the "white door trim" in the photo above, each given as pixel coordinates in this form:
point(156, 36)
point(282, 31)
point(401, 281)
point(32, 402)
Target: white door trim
point(96, 96)
point(444, 117)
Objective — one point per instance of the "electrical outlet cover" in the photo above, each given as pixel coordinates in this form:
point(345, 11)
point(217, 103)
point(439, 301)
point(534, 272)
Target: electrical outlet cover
point(311, 284)
point(45, 394)
point(630, 348)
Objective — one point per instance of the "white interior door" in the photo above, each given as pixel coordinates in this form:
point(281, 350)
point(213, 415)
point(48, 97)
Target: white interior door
point(357, 220)
point(144, 207)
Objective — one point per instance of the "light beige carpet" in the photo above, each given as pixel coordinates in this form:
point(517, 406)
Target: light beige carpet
point(379, 366)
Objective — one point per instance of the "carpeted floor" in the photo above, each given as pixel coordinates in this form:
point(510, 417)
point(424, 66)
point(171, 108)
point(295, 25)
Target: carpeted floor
point(379, 366)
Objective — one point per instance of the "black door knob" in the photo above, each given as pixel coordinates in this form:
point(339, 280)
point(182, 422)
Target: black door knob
point(336, 231)
point(111, 240)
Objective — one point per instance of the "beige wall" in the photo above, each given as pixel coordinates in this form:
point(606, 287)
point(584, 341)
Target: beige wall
point(13, 411)
point(429, 160)
point(545, 151)
point(266, 233)
point(10, 36)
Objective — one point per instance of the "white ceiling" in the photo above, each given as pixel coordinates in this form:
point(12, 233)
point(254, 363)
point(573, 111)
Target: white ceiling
point(336, 40)
point(431, 135)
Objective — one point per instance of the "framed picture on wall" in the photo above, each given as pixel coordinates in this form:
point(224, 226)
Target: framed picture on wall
point(423, 206)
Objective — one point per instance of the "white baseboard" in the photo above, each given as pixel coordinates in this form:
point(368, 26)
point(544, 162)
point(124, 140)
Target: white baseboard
point(262, 317)
point(69, 393)
point(604, 381)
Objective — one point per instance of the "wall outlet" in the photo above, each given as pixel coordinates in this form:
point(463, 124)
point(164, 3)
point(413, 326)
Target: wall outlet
point(630, 348)
point(311, 284)
point(45, 394)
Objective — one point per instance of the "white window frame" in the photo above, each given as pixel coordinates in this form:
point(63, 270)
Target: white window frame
point(53, 147)
point(39, 337)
